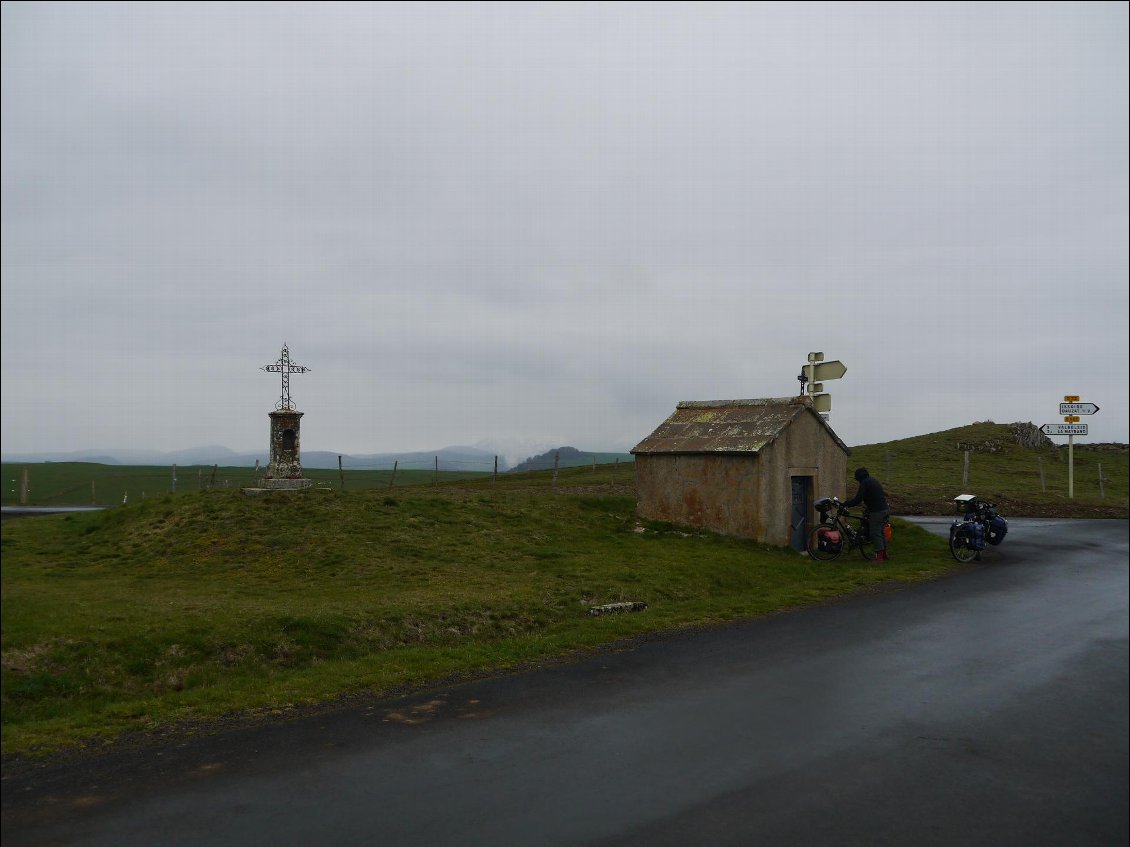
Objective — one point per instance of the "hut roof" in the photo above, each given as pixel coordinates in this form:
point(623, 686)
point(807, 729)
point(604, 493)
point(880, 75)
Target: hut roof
point(728, 426)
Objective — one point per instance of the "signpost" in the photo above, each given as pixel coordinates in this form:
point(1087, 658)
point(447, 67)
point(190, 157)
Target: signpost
point(1071, 409)
point(812, 378)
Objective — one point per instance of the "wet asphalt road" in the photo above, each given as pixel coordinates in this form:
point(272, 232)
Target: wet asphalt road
point(988, 708)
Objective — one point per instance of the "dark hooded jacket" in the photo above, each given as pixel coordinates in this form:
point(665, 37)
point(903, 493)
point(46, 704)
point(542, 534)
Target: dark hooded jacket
point(870, 493)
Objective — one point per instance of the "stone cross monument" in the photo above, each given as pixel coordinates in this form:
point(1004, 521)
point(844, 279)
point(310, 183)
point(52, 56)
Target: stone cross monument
point(285, 469)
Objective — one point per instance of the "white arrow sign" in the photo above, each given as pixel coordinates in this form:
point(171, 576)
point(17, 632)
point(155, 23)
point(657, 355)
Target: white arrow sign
point(1077, 408)
point(1064, 429)
point(827, 370)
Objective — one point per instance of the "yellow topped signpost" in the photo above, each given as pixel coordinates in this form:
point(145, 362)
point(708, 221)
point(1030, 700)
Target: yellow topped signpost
point(1071, 409)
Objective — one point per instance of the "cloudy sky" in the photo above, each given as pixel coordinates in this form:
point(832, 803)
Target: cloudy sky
point(528, 225)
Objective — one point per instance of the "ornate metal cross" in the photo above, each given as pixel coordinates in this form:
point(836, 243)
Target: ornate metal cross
point(285, 367)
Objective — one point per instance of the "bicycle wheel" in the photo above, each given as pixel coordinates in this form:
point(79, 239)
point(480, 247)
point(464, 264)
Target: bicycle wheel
point(959, 546)
point(866, 547)
point(821, 547)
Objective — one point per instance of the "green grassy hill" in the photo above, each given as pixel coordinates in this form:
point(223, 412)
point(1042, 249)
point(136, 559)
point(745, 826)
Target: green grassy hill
point(922, 475)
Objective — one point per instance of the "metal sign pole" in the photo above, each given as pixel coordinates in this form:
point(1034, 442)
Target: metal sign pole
point(1071, 467)
point(1071, 409)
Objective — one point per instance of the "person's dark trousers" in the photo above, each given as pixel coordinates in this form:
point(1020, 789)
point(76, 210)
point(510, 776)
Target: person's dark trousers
point(875, 522)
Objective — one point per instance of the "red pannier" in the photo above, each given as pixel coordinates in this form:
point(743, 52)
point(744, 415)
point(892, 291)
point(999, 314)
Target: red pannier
point(830, 540)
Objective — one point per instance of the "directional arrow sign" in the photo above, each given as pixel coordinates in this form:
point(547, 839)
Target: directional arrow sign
point(828, 370)
point(1064, 429)
point(1077, 408)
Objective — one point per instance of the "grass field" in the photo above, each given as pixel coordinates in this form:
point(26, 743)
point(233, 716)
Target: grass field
point(85, 483)
point(207, 604)
point(212, 603)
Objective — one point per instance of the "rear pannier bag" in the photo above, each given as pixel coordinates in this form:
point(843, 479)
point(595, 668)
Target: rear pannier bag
point(973, 533)
point(830, 540)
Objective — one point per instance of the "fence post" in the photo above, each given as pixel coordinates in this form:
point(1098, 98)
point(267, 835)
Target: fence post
point(212, 482)
point(1043, 484)
point(1102, 493)
point(556, 460)
point(494, 479)
point(341, 473)
point(437, 473)
point(965, 471)
point(23, 486)
point(392, 481)
point(175, 475)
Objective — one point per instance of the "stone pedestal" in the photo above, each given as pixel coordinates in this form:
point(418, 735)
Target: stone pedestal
point(270, 486)
point(285, 484)
point(286, 464)
point(284, 473)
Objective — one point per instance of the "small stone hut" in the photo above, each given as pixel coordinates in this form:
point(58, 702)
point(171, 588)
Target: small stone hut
point(747, 468)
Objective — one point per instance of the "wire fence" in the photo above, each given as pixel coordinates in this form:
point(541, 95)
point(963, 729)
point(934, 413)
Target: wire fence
point(52, 484)
point(1043, 474)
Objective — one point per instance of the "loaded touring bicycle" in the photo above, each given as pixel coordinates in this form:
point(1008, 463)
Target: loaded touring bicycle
point(980, 524)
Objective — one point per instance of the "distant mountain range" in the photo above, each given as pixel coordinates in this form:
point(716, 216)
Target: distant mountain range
point(568, 457)
point(450, 458)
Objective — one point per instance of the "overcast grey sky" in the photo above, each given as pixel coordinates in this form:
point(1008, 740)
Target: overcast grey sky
point(525, 225)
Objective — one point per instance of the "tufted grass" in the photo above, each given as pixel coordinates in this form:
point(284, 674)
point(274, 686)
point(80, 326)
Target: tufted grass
point(213, 604)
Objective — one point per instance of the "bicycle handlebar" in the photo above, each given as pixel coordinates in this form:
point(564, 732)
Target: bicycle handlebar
point(842, 510)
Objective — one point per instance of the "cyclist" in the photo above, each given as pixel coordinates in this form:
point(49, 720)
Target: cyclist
point(874, 500)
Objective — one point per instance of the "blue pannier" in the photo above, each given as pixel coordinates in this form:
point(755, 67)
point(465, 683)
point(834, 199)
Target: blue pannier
point(972, 532)
point(998, 526)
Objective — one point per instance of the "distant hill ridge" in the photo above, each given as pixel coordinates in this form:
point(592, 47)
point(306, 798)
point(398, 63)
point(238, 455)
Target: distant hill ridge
point(1012, 465)
point(567, 457)
point(450, 458)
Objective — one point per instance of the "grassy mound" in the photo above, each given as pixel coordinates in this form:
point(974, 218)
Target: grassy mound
point(210, 604)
